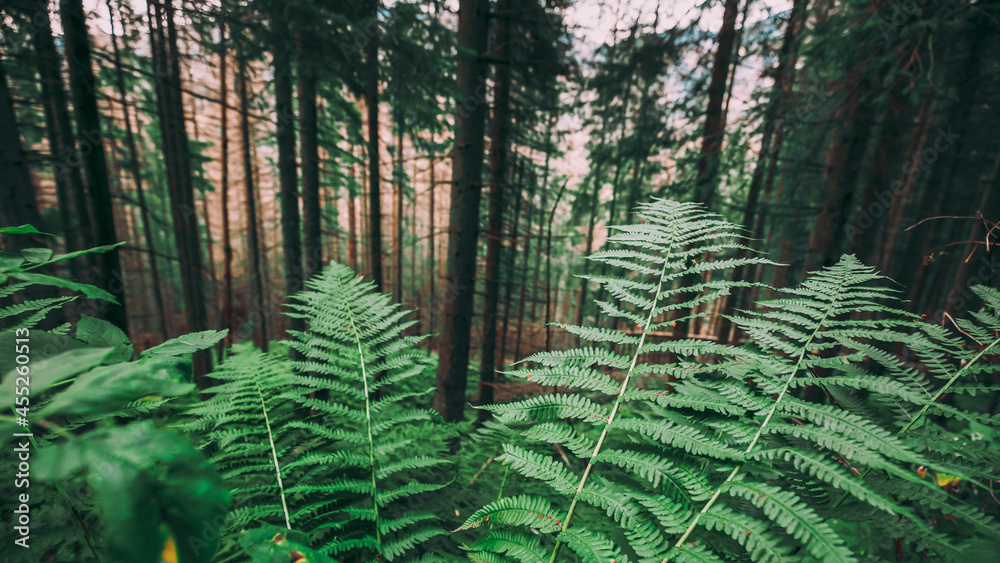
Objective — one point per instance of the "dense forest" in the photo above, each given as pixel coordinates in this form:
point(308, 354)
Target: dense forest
point(500, 280)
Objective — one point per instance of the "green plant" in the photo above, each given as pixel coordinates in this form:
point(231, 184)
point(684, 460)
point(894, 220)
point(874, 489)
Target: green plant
point(107, 491)
point(736, 457)
point(329, 449)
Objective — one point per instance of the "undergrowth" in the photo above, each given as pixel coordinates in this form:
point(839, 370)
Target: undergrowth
point(841, 429)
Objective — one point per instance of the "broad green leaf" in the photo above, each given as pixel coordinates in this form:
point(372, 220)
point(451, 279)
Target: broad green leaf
point(36, 255)
point(44, 374)
point(188, 343)
point(142, 478)
point(10, 261)
point(109, 388)
point(22, 230)
point(88, 290)
point(95, 250)
point(102, 334)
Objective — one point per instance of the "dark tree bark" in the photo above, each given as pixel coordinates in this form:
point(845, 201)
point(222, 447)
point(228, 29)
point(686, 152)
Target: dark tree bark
point(463, 227)
point(74, 208)
point(715, 118)
point(498, 172)
point(352, 227)
point(528, 218)
point(906, 180)
point(227, 244)
point(548, 272)
point(595, 199)
point(257, 317)
point(397, 216)
point(84, 88)
point(19, 202)
point(287, 171)
point(309, 140)
point(375, 194)
point(431, 247)
point(136, 172)
point(508, 267)
point(773, 117)
point(541, 223)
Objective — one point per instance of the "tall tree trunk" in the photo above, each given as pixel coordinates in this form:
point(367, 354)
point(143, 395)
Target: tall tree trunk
point(309, 140)
point(494, 234)
point(74, 208)
point(431, 247)
point(541, 223)
point(528, 218)
point(84, 88)
point(510, 263)
point(865, 225)
point(136, 172)
point(463, 227)
point(352, 228)
point(774, 114)
point(981, 237)
point(715, 118)
point(227, 244)
point(291, 237)
point(179, 177)
point(18, 198)
point(595, 198)
point(397, 216)
point(375, 195)
point(258, 314)
point(905, 180)
point(548, 272)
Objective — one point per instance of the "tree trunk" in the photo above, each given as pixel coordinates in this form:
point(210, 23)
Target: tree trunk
point(432, 270)
point(498, 173)
point(287, 171)
point(227, 245)
point(136, 172)
point(905, 181)
point(397, 216)
point(715, 118)
point(548, 271)
point(509, 266)
point(74, 208)
point(257, 316)
point(375, 195)
point(529, 217)
point(866, 223)
point(84, 88)
point(463, 227)
point(774, 114)
point(352, 227)
point(541, 224)
point(19, 202)
point(585, 283)
point(309, 142)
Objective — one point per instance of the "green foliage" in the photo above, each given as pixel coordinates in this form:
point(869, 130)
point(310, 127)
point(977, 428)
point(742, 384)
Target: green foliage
point(321, 443)
point(121, 490)
point(773, 449)
point(843, 429)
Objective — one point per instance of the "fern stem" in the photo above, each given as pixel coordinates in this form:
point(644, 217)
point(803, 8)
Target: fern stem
point(614, 409)
point(274, 454)
point(368, 418)
point(920, 413)
point(767, 420)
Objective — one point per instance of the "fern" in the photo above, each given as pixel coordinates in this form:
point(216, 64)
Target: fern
point(325, 443)
point(735, 456)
